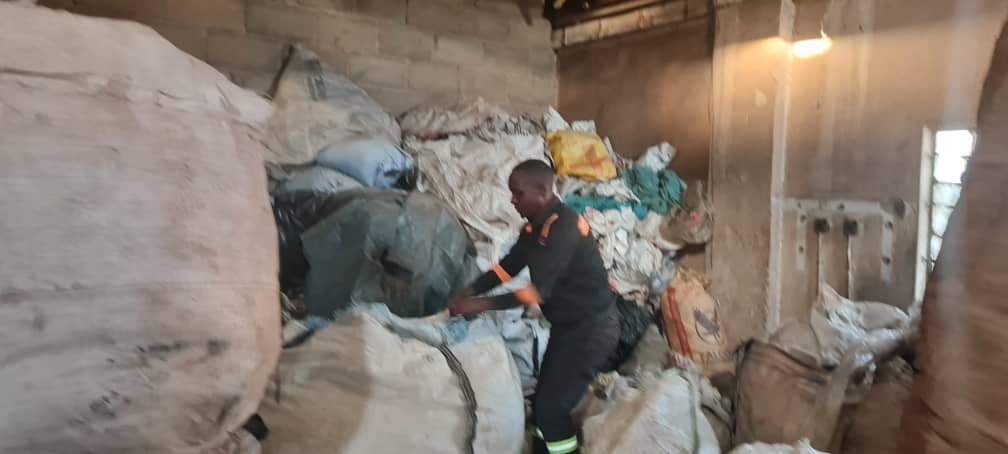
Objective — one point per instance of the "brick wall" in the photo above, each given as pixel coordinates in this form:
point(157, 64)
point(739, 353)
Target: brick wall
point(403, 52)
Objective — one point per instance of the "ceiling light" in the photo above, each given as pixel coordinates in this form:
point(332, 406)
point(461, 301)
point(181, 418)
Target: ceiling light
point(808, 48)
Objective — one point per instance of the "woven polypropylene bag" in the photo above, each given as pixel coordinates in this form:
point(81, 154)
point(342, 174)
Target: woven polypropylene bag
point(138, 289)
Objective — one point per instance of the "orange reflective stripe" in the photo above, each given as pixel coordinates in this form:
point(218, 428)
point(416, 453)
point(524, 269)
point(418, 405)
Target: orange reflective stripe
point(545, 232)
point(501, 274)
point(528, 295)
point(583, 226)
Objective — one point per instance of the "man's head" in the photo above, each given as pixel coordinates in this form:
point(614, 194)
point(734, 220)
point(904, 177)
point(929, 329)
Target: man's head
point(531, 185)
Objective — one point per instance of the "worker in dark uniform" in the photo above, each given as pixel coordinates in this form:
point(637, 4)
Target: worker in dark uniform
point(569, 285)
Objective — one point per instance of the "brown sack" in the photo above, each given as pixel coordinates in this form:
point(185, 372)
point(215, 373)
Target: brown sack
point(692, 323)
point(138, 288)
point(876, 420)
point(782, 400)
point(960, 402)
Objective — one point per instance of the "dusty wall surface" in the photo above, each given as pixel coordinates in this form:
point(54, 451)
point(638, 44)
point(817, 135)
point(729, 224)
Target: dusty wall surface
point(846, 125)
point(403, 52)
point(750, 76)
point(857, 113)
point(645, 88)
point(895, 67)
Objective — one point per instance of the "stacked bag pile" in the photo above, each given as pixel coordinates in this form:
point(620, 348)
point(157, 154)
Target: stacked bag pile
point(813, 378)
point(464, 156)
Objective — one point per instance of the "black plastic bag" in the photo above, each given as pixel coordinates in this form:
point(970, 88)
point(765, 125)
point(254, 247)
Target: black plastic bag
point(634, 320)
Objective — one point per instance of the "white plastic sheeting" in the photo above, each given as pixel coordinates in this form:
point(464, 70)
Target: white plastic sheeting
point(631, 260)
point(837, 325)
point(658, 157)
point(840, 324)
point(470, 173)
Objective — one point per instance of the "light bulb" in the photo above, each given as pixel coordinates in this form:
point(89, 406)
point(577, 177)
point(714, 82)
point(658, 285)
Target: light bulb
point(808, 48)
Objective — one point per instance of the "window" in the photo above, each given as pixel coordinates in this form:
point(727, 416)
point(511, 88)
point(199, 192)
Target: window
point(952, 151)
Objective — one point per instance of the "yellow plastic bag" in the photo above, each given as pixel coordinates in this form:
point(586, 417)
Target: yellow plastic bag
point(581, 155)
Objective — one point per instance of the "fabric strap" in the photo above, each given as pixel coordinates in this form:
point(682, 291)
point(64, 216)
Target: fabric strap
point(563, 446)
point(559, 447)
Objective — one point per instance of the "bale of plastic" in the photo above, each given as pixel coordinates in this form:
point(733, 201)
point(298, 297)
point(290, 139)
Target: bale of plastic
point(807, 381)
point(316, 107)
point(407, 250)
point(959, 402)
point(373, 163)
point(663, 409)
point(295, 213)
point(138, 292)
point(368, 384)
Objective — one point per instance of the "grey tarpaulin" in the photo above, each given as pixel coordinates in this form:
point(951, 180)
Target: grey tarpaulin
point(295, 213)
point(406, 250)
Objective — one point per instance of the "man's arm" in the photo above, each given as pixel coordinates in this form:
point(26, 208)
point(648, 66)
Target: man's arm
point(503, 272)
point(547, 257)
point(465, 304)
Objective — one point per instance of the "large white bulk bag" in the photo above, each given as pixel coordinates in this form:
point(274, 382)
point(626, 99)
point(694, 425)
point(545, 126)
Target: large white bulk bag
point(374, 384)
point(662, 413)
point(138, 288)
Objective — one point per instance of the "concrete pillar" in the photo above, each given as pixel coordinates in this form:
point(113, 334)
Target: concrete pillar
point(751, 70)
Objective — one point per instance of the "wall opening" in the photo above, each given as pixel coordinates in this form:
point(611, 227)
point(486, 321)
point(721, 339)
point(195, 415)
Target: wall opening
point(953, 149)
point(944, 162)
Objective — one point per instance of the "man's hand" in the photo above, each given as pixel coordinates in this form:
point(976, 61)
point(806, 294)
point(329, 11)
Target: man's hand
point(468, 306)
point(533, 311)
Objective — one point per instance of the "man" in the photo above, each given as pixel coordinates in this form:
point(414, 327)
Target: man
point(570, 283)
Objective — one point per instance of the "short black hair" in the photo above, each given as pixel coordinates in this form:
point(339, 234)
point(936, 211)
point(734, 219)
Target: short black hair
point(538, 171)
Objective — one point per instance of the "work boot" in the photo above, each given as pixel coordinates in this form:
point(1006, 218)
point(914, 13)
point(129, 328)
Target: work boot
point(539, 446)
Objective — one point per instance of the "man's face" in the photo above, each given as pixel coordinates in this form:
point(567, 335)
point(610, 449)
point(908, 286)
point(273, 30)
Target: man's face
point(527, 197)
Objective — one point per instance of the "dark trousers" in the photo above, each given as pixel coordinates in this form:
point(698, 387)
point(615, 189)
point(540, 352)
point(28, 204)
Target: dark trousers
point(574, 356)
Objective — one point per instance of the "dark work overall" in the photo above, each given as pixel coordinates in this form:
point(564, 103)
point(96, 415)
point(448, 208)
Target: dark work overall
point(571, 284)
